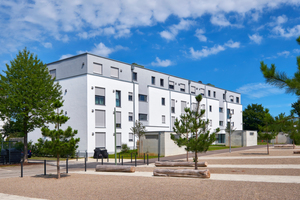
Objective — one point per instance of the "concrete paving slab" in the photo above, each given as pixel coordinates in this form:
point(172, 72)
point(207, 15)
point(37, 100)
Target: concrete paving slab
point(256, 166)
point(15, 197)
point(245, 157)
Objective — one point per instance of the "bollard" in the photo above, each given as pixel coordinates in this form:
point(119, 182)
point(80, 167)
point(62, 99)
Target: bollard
point(67, 164)
point(98, 157)
point(86, 155)
point(44, 167)
point(158, 157)
point(21, 169)
point(3, 160)
point(147, 160)
point(144, 158)
point(85, 164)
point(119, 157)
point(102, 160)
point(131, 157)
point(135, 160)
point(9, 154)
point(122, 160)
point(77, 156)
point(107, 157)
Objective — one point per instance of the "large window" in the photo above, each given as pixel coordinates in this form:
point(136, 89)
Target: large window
point(221, 138)
point(119, 140)
point(183, 106)
point(130, 137)
point(171, 85)
point(193, 90)
point(100, 118)
point(118, 119)
point(130, 116)
point(163, 101)
point(162, 82)
point(99, 96)
point(100, 140)
point(152, 80)
point(129, 96)
point(114, 72)
point(134, 76)
point(97, 68)
point(220, 109)
point(182, 87)
point(143, 117)
point(220, 123)
point(237, 99)
point(173, 106)
point(142, 97)
point(118, 98)
point(202, 91)
point(52, 73)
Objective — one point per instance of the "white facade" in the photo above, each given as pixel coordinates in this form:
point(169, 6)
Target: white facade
point(93, 86)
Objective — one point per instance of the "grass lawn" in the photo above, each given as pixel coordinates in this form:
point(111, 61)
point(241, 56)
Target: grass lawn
point(219, 147)
point(134, 152)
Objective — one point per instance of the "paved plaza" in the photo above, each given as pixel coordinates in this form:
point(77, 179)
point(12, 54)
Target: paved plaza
point(242, 174)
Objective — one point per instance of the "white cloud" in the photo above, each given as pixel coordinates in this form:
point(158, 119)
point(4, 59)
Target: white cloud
point(296, 50)
point(256, 38)
point(174, 29)
point(47, 45)
point(284, 53)
point(213, 50)
point(65, 56)
point(278, 30)
point(161, 63)
point(199, 34)
point(259, 90)
point(23, 22)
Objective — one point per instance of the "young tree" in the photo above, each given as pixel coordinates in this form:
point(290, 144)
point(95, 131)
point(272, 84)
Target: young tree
point(62, 141)
point(201, 138)
point(138, 130)
point(27, 93)
point(268, 131)
point(280, 79)
point(253, 116)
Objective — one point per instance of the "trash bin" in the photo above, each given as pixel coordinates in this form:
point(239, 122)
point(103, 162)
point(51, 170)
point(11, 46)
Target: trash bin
point(101, 153)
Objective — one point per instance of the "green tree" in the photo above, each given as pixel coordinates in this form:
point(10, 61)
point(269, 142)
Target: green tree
point(138, 130)
point(11, 129)
point(280, 79)
point(296, 108)
point(253, 116)
point(192, 122)
point(27, 92)
point(268, 130)
point(62, 141)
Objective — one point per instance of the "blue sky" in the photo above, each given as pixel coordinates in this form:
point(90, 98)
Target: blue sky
point(218, 42)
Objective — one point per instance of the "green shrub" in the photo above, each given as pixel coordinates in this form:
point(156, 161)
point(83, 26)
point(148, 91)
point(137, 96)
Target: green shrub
point(125, 148)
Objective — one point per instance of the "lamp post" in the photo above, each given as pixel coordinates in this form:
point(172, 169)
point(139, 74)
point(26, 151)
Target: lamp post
point(115, 136)
point(230, 116)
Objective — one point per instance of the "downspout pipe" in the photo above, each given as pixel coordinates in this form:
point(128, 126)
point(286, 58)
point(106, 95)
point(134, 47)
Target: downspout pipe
point(133, 100)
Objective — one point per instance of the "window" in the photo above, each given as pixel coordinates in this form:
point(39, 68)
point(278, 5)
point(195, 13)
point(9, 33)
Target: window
point(237, 99)
point(118, 98)
point(162, 82)
point(210, 123)
point(202, 106)
point(153, 80)
point(130, 137)
point(209, 93)
point(173, 106)
point(114, 72)
point(232, 124)
point(183, 106)
point(214, 94)
point(52, 73)
point(171, 85)
point(97, 68)
point(100, 118)
point(231, 98)
point(228, 113)
point(193, 90)
point(252, 133)
point(163, 101)
point(134, 76)
point(210, 108)
point(221, 138)
point(142, 117)
point(173, 121)
point(129, 96)
point(163, 119)
point(194, 106)
point(119, 140)
point(224, 96)
point(202, 92)
point(151, 137)
point(130, 116)
point(99, 96)
point(220, 123)
point(182, 87)
point(118, 119)
point(100, 140)
point(220, 109)
point(142, 97)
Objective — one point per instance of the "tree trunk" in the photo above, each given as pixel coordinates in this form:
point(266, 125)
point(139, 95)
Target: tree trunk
point(196, 160)
point(25, 152)
point(268, 147)
point(187, 152)
point(182, 173)
point(58, 168)
point(293, 144)
point(179, 164)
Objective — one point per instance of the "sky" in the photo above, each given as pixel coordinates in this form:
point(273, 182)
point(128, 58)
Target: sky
point(218, 42)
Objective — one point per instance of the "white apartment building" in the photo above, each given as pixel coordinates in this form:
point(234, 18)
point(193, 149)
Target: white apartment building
point(93, 86)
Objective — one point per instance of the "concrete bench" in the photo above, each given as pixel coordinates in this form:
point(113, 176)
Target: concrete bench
point(114, 168)
point(286, 146)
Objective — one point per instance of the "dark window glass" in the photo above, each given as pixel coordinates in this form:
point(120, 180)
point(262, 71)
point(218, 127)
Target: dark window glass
point(143, 117)
point(99, 100)
point(162, 82)
point(153, 80)
point(118, 98)
point(163, 101)
point(142, 97)
point(134, 76)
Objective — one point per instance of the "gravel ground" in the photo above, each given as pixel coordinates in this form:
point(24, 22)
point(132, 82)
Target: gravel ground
point(78, 186)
